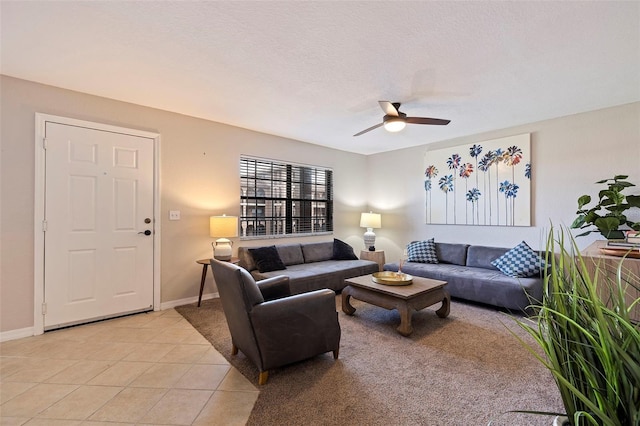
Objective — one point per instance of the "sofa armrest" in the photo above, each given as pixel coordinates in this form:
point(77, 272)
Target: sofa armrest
point(274, 287)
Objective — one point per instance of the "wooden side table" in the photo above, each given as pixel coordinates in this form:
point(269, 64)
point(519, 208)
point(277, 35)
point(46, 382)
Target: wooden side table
point(609, 266)
point(205, 265)
point(376, 256)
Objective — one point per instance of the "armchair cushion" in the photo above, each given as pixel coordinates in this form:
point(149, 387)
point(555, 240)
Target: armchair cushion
point(267, 259)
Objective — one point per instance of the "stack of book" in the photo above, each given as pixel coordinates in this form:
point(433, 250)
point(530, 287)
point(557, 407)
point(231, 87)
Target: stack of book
point(631, 241)
point(633, 237)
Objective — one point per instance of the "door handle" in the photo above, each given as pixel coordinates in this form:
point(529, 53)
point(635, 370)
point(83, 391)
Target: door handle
point(145, 232)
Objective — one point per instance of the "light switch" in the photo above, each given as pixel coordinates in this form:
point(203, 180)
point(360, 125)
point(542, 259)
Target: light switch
point(174, 214)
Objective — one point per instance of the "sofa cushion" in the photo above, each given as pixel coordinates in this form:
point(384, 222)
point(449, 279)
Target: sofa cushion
point(327, 274)
point(520, 261)
point(482, 256)
point(478, 284)
point(291, 254)
point(455, 254)
point(267, 259)
point(342, 251)
point(317, 252)
point(246, 260)
point(422, 252)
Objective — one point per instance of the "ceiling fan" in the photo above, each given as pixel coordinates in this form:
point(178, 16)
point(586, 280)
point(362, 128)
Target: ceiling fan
point(394, 120)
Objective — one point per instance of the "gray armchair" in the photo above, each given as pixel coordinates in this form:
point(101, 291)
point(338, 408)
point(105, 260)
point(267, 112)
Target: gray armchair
point(271, 327)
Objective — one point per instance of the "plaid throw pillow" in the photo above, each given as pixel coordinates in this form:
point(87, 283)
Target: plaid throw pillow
point(422, 252)
point(519, 262)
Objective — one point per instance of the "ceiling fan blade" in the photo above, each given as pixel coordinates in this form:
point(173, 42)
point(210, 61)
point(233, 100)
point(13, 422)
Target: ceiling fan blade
point(369, 129)
point(425, 120)
point(390, 108)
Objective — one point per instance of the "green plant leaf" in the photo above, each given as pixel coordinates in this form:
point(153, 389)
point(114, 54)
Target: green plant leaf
point(585, 199)
point(578, 222)
point(591, 216)
point(605, 224)
point(633, 200)
point(584, 233)
point(620, 177)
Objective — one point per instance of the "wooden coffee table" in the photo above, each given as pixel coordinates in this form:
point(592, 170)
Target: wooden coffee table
point(421, 293)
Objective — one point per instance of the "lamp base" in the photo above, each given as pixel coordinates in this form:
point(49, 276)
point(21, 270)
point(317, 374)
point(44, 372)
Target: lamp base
point(222, 249)
point(370, 239)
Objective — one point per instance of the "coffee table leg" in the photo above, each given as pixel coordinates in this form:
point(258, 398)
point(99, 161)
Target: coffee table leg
point(406, 312)
point(443, 312)
point(346, 306)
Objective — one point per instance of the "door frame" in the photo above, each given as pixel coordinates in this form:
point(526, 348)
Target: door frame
point(39, 206)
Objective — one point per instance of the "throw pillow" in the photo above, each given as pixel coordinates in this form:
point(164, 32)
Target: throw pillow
point(422, 252)
point(519, 262)
point(267, 259)
point(342, 251)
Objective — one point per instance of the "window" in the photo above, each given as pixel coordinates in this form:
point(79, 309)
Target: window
point(281, 199)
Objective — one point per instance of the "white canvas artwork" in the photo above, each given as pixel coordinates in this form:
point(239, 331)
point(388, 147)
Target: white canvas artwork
point(486, 183)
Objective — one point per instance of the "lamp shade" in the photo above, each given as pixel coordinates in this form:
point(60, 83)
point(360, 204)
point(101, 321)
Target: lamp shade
point(370, 220)
point(223, 226)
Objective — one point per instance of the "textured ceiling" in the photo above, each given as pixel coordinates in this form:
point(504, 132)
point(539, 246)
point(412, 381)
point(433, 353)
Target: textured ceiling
point(314, 71)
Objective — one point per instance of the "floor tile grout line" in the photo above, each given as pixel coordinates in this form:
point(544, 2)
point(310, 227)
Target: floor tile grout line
point(33, 351)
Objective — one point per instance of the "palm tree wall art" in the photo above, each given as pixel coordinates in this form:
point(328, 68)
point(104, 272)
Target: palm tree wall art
point(497, 183)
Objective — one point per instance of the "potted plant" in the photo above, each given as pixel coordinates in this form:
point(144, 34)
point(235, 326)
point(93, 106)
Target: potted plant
point(588, 341)
point(608, 214)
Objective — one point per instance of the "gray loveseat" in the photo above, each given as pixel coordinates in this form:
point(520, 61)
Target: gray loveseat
point(309, 266)
point(471, 276)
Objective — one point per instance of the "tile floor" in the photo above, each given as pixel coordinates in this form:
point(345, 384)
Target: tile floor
point(145, 369)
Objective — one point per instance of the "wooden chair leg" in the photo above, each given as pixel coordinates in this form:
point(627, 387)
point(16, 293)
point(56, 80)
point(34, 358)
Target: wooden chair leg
point(234, 349)
point(335, 353)
point(262, 378)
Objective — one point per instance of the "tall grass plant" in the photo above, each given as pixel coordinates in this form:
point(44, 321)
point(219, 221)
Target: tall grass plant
point(589, 342)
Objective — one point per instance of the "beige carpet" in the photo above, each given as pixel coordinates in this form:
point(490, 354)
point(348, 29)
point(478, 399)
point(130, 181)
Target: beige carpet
point(463, 370)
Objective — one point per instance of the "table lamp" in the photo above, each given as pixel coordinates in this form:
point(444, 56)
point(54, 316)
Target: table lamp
point(370, 220)
point(223, 227)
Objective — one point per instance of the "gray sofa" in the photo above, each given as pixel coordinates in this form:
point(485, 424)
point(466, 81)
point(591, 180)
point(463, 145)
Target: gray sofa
point(309, 266)
point(471, 276)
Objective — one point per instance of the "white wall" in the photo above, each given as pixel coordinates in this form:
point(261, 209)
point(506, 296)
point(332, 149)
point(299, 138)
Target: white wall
point(199, 176)
point(569, 155)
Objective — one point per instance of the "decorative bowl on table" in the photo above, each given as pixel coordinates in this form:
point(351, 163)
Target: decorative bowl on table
point(391, 278)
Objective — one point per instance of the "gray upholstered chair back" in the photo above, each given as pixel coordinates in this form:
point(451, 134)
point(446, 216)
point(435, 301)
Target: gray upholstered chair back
point(239, 293)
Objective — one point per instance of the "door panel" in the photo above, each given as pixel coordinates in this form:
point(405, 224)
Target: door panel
point(99, 191)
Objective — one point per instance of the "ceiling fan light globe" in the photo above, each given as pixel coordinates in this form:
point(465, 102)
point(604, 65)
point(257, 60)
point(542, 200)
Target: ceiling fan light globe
point(394, 125)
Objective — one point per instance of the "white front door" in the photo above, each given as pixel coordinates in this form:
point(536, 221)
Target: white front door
point(99, 224)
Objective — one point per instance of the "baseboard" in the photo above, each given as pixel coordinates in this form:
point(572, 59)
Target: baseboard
point(5, 336)
point(16, 334)
point(173, 303)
